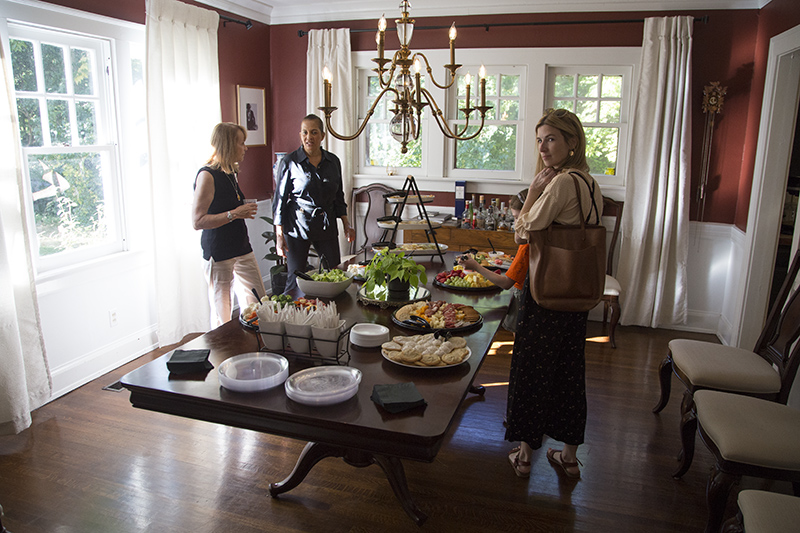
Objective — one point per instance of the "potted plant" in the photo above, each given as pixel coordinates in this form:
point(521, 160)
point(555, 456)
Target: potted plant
point(278, 271)
point(392, 275)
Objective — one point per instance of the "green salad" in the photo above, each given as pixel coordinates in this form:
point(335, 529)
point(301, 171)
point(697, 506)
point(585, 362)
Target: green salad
point(331, 276)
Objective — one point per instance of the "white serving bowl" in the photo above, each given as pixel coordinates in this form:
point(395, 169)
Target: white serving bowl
point(255, 371)
point(324, 289)
point(369, 335)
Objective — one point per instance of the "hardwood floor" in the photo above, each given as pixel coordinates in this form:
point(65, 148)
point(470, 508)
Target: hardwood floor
point(93, 463)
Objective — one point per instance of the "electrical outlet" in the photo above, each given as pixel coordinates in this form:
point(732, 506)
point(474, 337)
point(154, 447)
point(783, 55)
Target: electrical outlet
point(112, 318)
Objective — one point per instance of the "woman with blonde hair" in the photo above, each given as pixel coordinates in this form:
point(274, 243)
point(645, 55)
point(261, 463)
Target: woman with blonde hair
point(219, 210)
point(547, 384)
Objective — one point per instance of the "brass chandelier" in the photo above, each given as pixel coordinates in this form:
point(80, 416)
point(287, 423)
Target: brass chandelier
point(410, 99)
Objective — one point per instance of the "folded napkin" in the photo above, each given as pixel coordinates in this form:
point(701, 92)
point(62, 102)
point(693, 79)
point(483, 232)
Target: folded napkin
point(397, 397)
point(188, 361)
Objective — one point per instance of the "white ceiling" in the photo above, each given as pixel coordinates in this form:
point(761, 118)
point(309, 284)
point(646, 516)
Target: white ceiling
point(307, 11)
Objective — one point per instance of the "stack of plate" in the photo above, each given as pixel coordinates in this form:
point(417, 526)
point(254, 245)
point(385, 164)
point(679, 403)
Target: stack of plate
point(369, 335)
point(251, 372)
point(323, 385)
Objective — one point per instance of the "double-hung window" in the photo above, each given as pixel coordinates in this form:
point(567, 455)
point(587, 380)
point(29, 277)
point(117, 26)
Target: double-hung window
point(67, 127)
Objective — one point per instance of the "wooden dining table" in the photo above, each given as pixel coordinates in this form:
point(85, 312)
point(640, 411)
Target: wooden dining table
point(357, 429)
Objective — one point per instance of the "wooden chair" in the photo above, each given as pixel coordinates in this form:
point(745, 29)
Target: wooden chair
point(703, 365)
point(748, 436)
point(764, 512)
point(612, 288)
point(367, 230)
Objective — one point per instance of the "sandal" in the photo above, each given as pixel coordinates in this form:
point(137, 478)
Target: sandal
point(513, 458)
point(551, 456)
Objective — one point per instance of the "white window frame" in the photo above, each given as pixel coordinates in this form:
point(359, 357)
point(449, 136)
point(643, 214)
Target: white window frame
point(626, 71)
point(125, 43)
point(106, 144)
point(438, 174)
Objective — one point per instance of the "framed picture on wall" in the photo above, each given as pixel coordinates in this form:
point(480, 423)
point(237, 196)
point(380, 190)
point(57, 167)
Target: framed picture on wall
point(252, 114)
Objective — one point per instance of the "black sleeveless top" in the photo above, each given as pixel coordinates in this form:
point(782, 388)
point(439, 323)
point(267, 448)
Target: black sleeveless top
point(230, 240)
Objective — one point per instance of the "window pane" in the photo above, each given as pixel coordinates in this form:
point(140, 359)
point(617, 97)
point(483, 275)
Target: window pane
point(55, 79)
point(564, 104)
point(23, 66)
point(601, 150)
point(491, 86)
point(587, 111)
point(609, 111)
point(493, 149)
point(384, 151)
point(564, 86)
point(82, 72)
point(509, 109)
point(612, 87)
point(587, 86)
point(30, 121)
point(87, 122)
point(373, 90)
point(58, 116)
point(68, 201)
point(509, 85)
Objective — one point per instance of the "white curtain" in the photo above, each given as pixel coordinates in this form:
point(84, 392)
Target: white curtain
point(331, 48)
point(25, 382)
point(655, 242)
point(183, 106)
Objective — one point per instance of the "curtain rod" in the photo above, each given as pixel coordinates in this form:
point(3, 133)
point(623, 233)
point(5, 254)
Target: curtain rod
point(703, 19)
point(225, 21)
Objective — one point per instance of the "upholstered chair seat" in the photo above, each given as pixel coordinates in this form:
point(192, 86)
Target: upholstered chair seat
point(768, 512)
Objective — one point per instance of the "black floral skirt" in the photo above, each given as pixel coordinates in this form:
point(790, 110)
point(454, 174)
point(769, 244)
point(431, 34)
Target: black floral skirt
point(547, 381)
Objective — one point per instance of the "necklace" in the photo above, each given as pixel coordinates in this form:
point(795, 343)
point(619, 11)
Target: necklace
point(235, 184)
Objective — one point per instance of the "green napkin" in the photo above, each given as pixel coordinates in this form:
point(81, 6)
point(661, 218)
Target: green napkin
point(397, 397)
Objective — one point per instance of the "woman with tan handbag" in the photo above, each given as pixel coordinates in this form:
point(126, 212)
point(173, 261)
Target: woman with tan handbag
point(547, 389)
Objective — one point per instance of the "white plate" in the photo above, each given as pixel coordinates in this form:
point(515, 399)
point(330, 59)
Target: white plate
point(255, 371)
point(323, 385)
point(411, 199)
point(466, 358)
point(369, 335)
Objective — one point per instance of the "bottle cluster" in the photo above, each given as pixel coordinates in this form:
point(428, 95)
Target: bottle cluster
point(491, 217)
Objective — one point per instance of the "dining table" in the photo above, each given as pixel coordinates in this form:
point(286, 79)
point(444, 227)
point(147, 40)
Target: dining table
point(357, 430)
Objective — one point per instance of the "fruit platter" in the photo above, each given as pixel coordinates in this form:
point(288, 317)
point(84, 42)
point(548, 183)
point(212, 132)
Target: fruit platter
point(463, 280)
point(437, 315)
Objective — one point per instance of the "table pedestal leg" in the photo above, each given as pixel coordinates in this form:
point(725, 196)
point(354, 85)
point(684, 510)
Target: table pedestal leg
point(314, 452)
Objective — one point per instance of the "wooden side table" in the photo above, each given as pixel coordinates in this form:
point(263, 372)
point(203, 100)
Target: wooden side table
point(459, 240)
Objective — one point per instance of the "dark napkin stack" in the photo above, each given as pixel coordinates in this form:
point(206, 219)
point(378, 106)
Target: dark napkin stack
point(189, 361)
point(397, 397)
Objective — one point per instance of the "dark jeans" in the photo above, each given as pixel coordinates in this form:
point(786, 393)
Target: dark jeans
point(297, 256)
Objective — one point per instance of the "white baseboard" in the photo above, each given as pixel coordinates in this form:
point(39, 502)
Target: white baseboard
point(80, 371)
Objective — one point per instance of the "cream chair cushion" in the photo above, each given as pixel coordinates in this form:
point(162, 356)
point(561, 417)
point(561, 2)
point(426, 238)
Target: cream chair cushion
point(612, 288)
point(750, 430)
point(714, 366)
point(769, 512)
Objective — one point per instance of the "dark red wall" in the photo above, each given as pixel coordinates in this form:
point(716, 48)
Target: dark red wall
point(243, 60)
point(775, 18)
point(731, 48)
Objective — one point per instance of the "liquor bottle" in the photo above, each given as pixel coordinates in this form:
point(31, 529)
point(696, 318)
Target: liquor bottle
point(474, 216)
point(489, 222)
point(502, 221)
point(466, 220)
point(481, 216)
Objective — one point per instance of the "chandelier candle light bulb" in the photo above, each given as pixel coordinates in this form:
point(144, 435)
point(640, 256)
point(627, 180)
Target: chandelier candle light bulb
point(452, 36)
point(381, 38)
point(468, 80)
point(482, 74)
point(327, 76)
point(417, 78)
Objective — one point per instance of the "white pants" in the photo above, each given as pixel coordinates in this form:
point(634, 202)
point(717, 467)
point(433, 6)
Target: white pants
point(221, 275)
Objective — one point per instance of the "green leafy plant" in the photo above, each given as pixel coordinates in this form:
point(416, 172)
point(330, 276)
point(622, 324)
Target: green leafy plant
point(386, 266)
point(280, 262)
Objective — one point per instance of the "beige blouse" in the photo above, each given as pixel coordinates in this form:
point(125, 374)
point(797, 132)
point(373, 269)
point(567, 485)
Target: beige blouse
point(559, 203)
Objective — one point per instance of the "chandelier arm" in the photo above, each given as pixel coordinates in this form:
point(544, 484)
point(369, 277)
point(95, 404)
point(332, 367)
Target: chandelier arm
point(328, 111)
point(438, 116)
point(451, 68)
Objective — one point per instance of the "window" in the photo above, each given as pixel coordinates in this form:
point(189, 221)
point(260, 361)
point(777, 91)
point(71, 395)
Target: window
point(599, 96)
point(63, 91)
point(520, 84)
point(495, 147)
